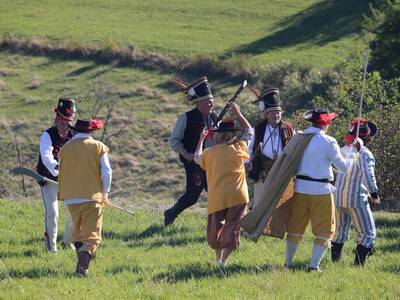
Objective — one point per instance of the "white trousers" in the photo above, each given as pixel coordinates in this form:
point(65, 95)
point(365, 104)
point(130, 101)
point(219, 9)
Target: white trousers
point(49, 195)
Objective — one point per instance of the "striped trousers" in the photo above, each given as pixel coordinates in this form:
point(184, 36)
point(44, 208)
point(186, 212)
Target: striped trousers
point(363, 221)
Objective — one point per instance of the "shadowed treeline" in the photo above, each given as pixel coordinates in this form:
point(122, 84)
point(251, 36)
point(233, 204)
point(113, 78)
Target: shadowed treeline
point(321, 23)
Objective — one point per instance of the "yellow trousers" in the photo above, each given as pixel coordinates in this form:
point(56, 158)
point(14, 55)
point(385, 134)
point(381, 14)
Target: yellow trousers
point(320, 210)
point(87, 219)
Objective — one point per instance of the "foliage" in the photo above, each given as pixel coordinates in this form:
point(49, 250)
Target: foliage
point(299, 83)
point(384, 24)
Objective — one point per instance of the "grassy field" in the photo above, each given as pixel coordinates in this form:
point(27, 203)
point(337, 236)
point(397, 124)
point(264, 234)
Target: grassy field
point(316, 32)
point(141, 259)
point(30, 87)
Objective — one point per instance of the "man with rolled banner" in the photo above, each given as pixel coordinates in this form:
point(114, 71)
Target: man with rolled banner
point(51, 141)
point(84, 184)
point(184, 139)
point(351, 196)
point(313, 197)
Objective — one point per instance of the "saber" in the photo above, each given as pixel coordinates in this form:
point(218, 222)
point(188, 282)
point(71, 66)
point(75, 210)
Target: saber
point(39, 178)
point(112, 205)
point(233, 99)
point(362, 95)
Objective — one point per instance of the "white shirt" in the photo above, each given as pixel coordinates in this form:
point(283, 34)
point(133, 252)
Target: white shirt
point(46, 153)
point(272, 142)
point(105, 169)
point(321, 153)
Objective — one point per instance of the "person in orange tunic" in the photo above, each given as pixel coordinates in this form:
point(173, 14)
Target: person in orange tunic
point(226, 179)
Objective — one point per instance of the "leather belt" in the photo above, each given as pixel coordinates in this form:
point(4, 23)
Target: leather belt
point(303, 177)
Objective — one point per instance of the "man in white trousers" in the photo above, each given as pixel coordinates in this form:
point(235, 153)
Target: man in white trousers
point(51, 142)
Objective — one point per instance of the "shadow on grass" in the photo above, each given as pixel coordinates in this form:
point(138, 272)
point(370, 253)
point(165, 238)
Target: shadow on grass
point(389, 248)
point(177, 242)
point(385, 222)
point(123, 268)
point(33, 273)
point(321, 23)
point(389, 234)
point(82, 70)
point(392, 269)
point(28, 253)
point(152, 230)
point(198, 271)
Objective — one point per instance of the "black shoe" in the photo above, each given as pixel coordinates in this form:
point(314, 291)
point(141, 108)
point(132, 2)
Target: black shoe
point(169, 217)
point(361, 254)
point(318, 270)
point(336, 251)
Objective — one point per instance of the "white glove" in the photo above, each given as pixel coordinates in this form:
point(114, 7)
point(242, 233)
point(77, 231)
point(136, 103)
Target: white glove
point(358, 144)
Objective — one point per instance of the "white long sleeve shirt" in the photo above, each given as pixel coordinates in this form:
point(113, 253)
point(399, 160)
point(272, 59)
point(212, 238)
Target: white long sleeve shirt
point(321, 153)
point(105, 169)
point(272, 142)
point(46, 154)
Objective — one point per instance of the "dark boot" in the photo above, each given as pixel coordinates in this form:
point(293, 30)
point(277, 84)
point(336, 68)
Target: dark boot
point(77, 245)
point(361, 254)
point(82, 268)
point(336, 251)
point(169, 216)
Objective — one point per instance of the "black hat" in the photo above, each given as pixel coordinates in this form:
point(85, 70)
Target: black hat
point(225, 125)
point(196, 91)
point(65, 108)
point(366, 128)
point(269, 100)
point(87, 125)
point(319, 115)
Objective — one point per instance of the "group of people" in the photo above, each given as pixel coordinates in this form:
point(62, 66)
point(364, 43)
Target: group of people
point(218, 165)
point(218, 158)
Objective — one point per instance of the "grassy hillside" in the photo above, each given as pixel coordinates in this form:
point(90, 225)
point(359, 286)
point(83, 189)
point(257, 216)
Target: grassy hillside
point(140, 259)
point(140, 156)
point(316, 32)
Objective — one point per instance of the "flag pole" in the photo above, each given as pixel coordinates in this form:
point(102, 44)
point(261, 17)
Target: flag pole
point(362, 94)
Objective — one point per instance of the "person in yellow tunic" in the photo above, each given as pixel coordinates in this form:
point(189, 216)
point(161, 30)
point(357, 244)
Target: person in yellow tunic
point(84, 183)
point(226, 179)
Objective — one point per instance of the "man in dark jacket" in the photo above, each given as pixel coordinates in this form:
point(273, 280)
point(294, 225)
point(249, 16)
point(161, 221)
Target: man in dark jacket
point(184, 139)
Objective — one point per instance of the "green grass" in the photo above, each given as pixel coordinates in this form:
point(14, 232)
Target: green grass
point(140, 259)
point(316, 32)
point(140, 155)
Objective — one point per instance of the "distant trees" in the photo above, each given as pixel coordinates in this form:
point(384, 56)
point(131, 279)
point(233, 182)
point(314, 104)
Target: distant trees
point(384, 24)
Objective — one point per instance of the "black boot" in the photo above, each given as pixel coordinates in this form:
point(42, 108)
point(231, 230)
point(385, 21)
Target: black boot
point(169, 216)
point(336, 251)
point(77, 245)
point(361, 254)
point(82, 268)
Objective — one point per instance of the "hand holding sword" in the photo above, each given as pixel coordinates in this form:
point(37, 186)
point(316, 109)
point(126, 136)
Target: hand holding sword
point(44, 180)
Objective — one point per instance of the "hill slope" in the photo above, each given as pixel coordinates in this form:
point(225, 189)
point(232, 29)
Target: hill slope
point(316, 32)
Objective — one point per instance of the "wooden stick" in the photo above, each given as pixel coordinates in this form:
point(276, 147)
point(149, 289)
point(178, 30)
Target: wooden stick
point(112, 205)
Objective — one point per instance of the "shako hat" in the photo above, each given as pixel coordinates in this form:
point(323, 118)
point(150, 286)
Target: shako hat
point(65, 109)
point(268, 100)
point(196, 91)
point(225, 125)
point(319, 116)
point(87, 125)
point(366, 128)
